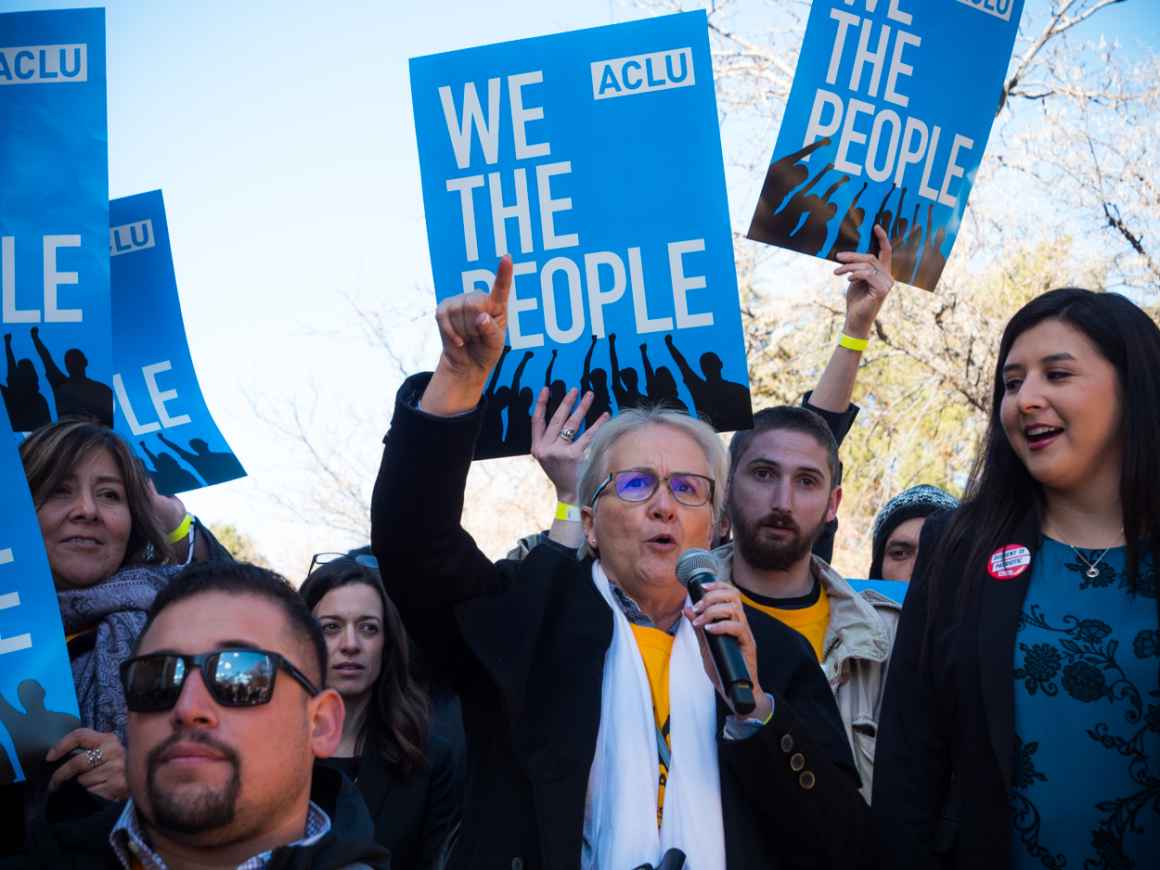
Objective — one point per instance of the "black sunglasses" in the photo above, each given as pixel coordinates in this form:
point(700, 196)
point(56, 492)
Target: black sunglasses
point(233, 677)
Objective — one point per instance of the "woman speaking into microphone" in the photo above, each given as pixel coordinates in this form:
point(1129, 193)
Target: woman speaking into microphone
point(598, 735)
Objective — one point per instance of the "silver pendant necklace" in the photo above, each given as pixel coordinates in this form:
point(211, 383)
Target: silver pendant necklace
point(1093, 568)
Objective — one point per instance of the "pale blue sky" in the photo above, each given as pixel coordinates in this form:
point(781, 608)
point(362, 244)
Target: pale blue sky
point(281, 135)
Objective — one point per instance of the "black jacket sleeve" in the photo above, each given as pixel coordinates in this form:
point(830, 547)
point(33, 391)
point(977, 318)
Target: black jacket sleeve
point(912, 756)
point(839, 425)
point(429, 563)
point(810, 805)
point(795, 778)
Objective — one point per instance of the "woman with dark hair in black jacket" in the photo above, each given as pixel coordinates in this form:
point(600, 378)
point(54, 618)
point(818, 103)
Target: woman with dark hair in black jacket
point(1021, 723)
point(410, 777)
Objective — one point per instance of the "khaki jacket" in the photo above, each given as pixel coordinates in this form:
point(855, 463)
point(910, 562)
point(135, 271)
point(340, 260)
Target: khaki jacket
point(856, 654)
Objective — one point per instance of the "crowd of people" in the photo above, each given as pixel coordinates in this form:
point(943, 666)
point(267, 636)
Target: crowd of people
point(564, 706)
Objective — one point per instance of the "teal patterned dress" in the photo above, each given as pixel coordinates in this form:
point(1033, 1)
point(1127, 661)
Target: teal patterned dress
point(1086, 785)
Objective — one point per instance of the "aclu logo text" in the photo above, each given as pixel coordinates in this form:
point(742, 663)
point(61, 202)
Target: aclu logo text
point(131, 237)
point(998, 8)
point(44, 64)
point(642, 73)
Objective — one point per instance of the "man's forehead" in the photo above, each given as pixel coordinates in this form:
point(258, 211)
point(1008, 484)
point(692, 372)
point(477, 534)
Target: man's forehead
point(209, 620)
point(787, 448)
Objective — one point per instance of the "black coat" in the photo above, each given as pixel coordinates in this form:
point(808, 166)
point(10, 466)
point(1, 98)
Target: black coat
point(413, 816)
point(524, 644)
point(83, 844)
point(946, 740)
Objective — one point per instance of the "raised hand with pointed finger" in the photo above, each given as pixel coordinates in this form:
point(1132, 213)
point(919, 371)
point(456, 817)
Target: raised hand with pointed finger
point(471, 327)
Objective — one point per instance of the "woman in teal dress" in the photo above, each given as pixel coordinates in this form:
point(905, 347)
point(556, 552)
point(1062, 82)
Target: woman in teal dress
point(1021, 723)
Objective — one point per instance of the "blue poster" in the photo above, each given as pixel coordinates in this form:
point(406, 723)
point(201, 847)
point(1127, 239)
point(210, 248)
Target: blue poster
point(38, 704)
point(886, 124)
point(54, 212)
point(895, 590)
point(160, 409)
point(594, 159)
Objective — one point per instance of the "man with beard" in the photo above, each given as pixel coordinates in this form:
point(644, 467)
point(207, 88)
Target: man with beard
point(226, 719)
point(782, 491)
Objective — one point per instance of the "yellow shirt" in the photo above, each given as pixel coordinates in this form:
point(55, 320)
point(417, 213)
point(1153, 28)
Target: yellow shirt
point(656, 647)
point(810, 621)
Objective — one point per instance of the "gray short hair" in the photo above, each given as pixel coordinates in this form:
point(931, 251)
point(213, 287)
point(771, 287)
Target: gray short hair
point(594, 465)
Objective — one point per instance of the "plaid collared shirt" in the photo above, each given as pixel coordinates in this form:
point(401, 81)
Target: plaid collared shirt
point(132, 849)
point(634, 614)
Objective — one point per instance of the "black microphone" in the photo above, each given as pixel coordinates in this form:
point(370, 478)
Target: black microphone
point(695, 568)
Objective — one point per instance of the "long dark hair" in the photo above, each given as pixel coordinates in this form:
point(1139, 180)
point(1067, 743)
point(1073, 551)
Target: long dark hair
point(1001, 492)
point(50, 454)
point(399, 713)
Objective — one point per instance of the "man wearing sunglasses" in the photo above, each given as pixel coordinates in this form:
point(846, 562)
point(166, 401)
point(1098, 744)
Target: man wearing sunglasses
point(226, 718)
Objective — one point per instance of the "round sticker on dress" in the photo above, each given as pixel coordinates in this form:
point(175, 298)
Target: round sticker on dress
point(1009, 562)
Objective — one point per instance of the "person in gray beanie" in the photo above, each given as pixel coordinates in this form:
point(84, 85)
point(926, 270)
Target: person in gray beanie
point(897, 527)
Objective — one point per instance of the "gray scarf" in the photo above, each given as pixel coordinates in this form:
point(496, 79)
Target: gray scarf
point(117, 608)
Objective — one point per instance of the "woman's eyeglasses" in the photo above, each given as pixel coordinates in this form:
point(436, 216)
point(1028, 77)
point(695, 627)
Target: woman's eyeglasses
point(233, 677)
point(639, 484)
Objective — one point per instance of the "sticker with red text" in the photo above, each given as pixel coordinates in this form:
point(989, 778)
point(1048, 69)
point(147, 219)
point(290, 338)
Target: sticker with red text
point(1009, 562)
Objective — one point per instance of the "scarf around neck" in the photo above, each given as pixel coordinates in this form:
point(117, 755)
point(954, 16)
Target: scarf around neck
point(620, 820)
point(116, 607)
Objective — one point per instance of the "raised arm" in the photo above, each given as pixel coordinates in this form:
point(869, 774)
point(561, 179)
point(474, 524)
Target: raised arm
point(519, 375)
point(431, 564)
point(869, 284)
point(495, 372)
point(679, 358)
point(9, 355)
point(618, 388)
point(615, 362)
point(648, 369)
point(878, 215)
point(184, 454)
point(585, 383)
point(551, 365)
point(152, 456)
point(52, 372)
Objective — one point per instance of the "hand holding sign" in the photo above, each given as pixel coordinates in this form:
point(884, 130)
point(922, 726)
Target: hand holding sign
point(97, 763)
point(870, 283)
point(471, 326)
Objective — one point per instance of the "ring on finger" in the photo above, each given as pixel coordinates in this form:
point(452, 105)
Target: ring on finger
point(95, 756)
point(568, 434)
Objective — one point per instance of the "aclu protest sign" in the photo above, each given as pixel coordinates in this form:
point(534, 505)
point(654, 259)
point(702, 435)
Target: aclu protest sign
point(54, 213)
point(160, 408)
point(38, 704)
point(594, 159)
point(886, 124)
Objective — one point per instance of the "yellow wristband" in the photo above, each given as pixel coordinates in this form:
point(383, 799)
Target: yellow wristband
point(182, 531)
point(851, 343)
point(568, 512)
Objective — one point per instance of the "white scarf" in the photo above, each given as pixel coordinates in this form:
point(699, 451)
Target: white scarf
point(620, 821)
